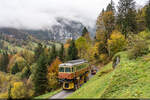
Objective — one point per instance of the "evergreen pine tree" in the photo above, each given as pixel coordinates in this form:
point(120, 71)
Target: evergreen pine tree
point(26, 73)
point(126, 17)
point(86, 34)
point(9, 92)
point(15, 69)
point(4, 62)
point(111, 7)
point(40, 76)
point(72, 51)
point(84, 31)
point(52, 54)
point(38, 51)
point(61, 53)
point(147, 15)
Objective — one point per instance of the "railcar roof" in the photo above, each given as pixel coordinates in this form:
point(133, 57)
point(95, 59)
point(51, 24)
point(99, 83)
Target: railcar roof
point(73, 62)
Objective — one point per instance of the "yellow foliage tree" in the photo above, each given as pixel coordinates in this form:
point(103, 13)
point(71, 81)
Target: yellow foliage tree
point(53, 74)
point(27, 55)
point(53, 68)
point(19, 60)
point(103, 58)
point(92, 51)
point(3, 95)
point(109, 22)
point(82, 46)
point(19, 90)
point(116, 43)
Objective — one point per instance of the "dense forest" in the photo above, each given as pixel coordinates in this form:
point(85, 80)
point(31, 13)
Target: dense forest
point(34, 66)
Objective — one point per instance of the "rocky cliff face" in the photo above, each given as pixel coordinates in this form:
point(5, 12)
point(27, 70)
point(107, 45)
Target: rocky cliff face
point(60, 32)
point(65, 29)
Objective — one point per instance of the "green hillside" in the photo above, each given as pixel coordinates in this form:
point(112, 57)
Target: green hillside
point(130, 79)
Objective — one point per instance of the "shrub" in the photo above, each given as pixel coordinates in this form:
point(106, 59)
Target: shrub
point(104, 58)
point(144, 34)
point(139, 49)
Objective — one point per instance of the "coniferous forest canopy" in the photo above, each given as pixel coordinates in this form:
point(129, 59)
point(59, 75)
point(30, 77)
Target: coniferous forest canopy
point(29, 66)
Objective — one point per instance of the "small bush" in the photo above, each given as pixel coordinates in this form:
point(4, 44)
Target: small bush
point(139, 49)
point(104, 58)
point(144, 34)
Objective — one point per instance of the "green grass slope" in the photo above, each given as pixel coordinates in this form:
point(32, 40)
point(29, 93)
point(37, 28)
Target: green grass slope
point(96, 86)
point(131, 79)
point(48, 95)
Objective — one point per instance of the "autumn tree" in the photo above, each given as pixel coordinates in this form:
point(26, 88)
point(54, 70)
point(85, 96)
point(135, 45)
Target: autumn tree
point(109, 22)
point(82, 47)
point(40, 76)
point(92, 54)
point(105, 25)
point(116, 43)
point(101, 33)
point(106, 20)
point(19, 60)
point(19, 91)
point(53, 74)
point(53, 68)
point(100, 27)
point(27, 55)
point(126, 16)
point(72, 51)
point(101, 36)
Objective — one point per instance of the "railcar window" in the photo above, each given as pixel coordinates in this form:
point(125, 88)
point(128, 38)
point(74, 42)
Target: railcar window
point(72, 69)
point(61, 69)
point(67, 69)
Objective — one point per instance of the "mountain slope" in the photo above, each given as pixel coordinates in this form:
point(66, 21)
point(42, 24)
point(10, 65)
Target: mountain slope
point(129, 80)
point(61, 31)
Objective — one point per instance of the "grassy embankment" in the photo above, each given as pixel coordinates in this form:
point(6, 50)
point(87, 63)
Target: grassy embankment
point(48, 95)
point(131, 79)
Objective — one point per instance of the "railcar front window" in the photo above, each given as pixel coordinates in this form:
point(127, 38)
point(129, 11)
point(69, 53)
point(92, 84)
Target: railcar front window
point(61, 69)
point(67, 70)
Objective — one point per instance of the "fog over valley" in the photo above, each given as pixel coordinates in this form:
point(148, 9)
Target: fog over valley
point(40, 14)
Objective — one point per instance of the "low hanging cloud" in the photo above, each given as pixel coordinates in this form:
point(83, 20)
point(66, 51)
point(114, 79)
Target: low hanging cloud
point(38, 14)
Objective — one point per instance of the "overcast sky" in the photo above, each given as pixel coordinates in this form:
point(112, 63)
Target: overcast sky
point(36, 14)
